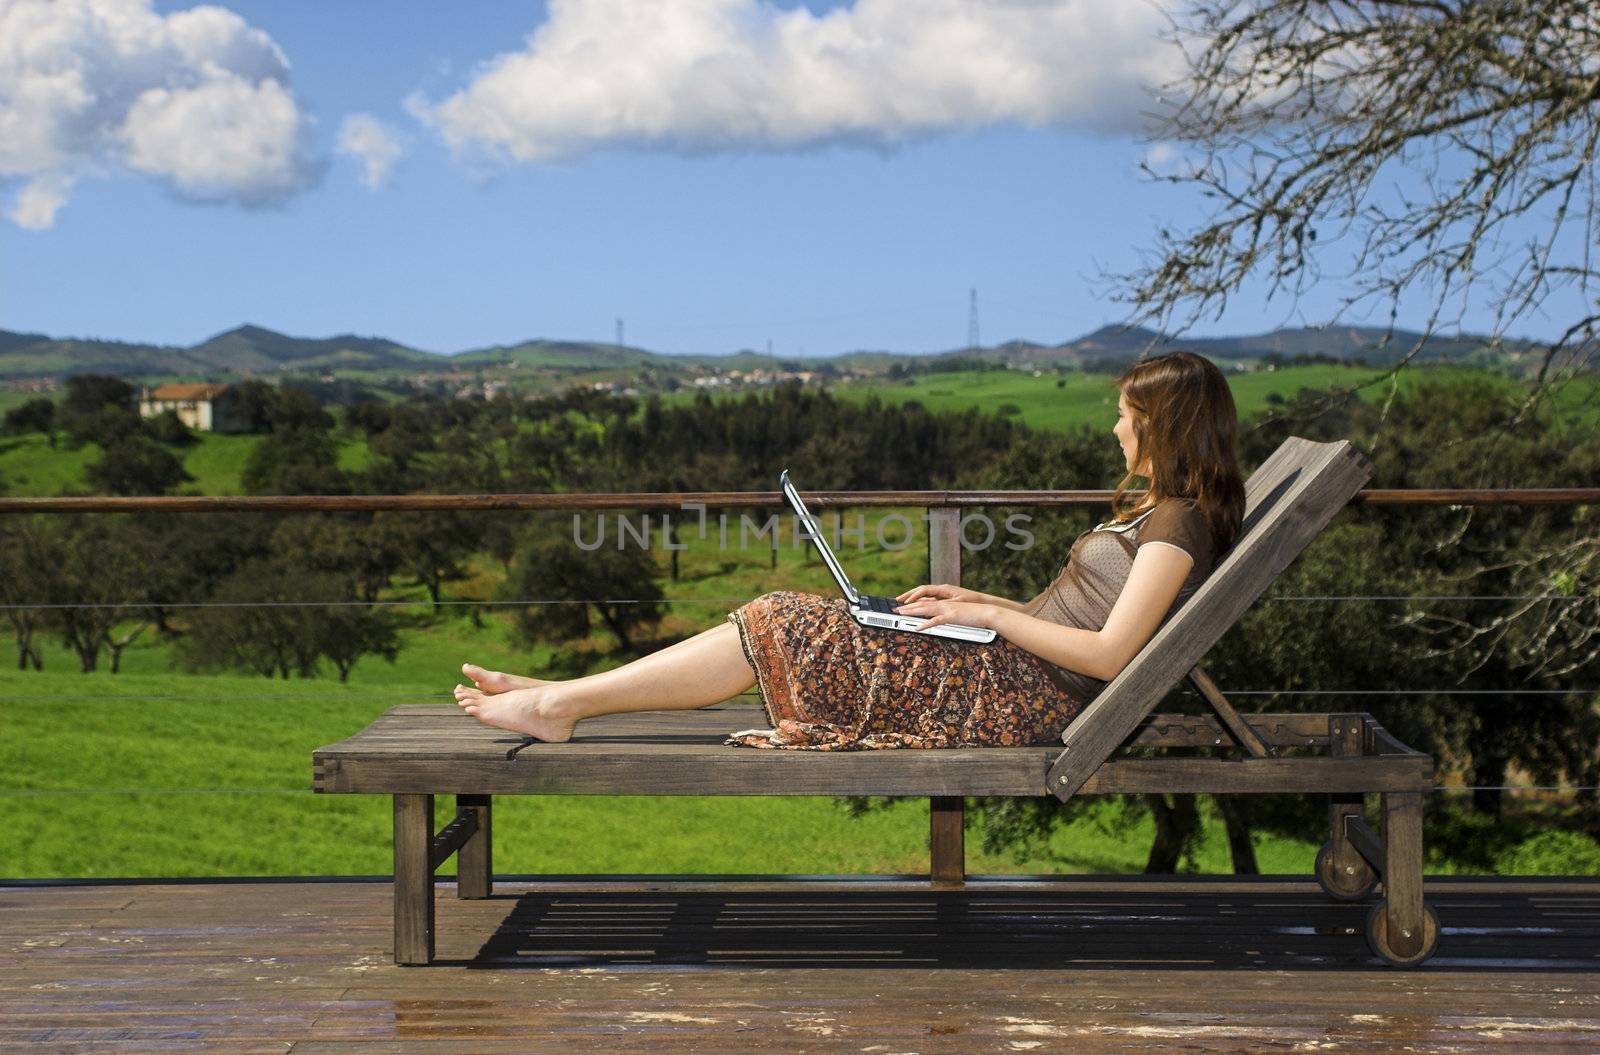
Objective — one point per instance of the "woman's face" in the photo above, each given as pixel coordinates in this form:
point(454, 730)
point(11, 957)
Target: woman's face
point(1124, 431)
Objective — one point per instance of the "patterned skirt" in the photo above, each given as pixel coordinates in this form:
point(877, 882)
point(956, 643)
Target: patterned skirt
point(827, 683)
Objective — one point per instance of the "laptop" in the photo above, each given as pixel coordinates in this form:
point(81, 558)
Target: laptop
point(864, 608)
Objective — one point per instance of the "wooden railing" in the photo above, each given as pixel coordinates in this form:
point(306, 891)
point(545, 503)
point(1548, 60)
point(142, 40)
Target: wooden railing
point(570, 501)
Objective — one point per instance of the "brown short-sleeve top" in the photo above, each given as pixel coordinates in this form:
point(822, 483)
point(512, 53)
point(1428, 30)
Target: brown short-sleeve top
point(1097, 568)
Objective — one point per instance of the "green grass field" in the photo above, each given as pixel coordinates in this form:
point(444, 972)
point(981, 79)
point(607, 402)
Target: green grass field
point(30, 466)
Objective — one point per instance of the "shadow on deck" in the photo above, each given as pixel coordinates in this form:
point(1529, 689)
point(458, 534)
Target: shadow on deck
point(1208, 964)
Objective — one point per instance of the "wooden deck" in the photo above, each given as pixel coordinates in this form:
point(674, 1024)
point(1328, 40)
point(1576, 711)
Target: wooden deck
point(589, 964)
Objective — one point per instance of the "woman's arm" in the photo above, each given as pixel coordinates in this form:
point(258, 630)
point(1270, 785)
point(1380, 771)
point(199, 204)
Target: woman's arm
point(948, 592)
point(1153, 584)
point(1000, 602)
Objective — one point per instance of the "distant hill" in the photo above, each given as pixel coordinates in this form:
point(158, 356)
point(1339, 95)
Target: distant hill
point(35, 355)
point(542, 353)
point(254, 350)
point(243, 351)
point(1351, 342)
point(1344, 343)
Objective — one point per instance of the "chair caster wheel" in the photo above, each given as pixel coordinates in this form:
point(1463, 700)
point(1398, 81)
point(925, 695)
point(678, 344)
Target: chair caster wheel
point(1378, 936)
point(1341, 884)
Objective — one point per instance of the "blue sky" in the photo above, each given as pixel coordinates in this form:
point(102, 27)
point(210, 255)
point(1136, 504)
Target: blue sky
point(704, 235)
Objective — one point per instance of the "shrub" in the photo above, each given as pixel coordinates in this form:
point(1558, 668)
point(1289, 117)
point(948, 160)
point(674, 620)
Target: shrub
point(1552, 853)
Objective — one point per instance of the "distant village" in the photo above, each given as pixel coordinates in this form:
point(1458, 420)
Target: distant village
point(209, 406)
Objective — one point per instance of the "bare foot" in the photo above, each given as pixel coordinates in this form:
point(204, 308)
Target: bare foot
point(532, 711)
point(493, 681)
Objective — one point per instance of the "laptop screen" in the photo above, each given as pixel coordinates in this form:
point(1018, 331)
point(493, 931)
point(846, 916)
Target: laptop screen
point(814, 527)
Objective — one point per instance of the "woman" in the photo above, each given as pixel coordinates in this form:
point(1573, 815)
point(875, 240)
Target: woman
point(827, 683)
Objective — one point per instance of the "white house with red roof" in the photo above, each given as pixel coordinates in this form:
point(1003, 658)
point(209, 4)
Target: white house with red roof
point(204, 407)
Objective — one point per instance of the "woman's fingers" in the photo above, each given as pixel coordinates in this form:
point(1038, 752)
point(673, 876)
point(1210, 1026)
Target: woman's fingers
point(931, 592)
point(930, 609)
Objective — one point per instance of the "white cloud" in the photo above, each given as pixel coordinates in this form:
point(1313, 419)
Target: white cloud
point(1160, 155)
point(374, 144)
point(707, 75)
point(197, 99)
point(36, 203)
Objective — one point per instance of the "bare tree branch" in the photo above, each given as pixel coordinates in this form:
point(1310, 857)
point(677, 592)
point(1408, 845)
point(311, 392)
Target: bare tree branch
point(1392, 148)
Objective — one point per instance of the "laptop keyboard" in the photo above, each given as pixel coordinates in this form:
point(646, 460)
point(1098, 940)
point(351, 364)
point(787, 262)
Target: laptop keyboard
point(877, 604)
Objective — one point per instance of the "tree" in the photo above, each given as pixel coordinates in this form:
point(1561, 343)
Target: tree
point(36, 415)
point(106, 426)
point(276, 619)
point(99, 409)
point(1387, 148)
point(27, 552)
point(572, 586)
point(295, 461)
point(1491, 638)
point(166, 427)
point(412, 430)
point(193, 552)
point(371, 416)
point(347, 633)
point(342, 547)
point(136, 465)
point(431, 546)
point(99, 583)
point(253, 401)
point(294, 408)
point(88, 393)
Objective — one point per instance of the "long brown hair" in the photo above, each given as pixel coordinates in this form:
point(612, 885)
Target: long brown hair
point(1186, 427)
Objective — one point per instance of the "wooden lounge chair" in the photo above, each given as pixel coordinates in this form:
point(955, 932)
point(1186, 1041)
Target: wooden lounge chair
point(415, 752)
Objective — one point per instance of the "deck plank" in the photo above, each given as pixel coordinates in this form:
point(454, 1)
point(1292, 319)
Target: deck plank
point(1093, 964)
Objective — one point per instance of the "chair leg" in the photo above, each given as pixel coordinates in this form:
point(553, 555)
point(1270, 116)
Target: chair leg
point(413, 879)
point(475, 859)
point(1341, 870)
point(1402, 871)
point(946, 840)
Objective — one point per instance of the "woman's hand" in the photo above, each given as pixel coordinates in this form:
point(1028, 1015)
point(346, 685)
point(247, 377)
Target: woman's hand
point(940, 591)
point(936, 611)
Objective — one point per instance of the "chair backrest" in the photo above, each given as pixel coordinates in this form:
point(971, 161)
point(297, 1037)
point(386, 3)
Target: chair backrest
point(1288, 500)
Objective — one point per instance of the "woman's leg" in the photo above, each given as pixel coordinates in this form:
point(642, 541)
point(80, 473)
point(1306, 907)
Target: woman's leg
point(707, 668)
point(490, 682)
